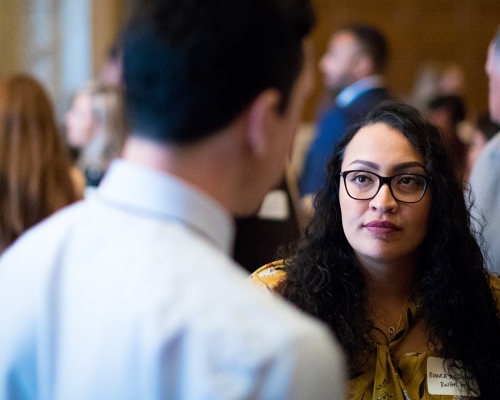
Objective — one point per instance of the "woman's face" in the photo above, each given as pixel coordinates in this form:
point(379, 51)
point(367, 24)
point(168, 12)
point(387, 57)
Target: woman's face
point(383, 229)
point(79, 124)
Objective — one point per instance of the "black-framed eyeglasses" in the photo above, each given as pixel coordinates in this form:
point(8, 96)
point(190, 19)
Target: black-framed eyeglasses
point(365, 185)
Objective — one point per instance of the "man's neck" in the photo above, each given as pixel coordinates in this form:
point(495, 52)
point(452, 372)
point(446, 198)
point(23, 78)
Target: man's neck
point(209, 165)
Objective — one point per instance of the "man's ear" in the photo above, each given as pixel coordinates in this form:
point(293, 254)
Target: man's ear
point(262, 116)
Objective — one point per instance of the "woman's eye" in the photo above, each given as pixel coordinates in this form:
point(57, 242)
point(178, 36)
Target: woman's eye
point(362, 179)
point(411, 180)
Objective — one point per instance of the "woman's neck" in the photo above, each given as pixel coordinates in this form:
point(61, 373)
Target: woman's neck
point(390, 281)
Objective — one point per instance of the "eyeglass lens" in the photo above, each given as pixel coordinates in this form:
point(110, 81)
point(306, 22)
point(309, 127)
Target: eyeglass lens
point(362, 185)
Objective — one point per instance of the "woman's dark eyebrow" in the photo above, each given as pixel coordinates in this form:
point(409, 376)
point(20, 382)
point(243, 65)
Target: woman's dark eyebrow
point(366, 163)
point(410, 164)
point(397, 167)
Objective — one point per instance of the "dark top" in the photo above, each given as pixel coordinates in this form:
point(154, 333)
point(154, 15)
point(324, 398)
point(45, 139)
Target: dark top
point(258, 240)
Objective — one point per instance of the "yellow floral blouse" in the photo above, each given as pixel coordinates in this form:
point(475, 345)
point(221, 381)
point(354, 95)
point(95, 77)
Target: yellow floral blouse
point(384, 377)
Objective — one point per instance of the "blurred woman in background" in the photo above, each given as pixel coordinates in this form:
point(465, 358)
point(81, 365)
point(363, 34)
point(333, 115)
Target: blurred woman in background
point(35, 168)
point(95, 126)
point(447, 112)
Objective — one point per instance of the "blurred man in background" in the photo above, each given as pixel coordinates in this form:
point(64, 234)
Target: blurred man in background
point(352, 66)
point(485, 176)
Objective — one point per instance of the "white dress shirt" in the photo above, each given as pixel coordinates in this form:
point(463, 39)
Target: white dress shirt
point(131, 294)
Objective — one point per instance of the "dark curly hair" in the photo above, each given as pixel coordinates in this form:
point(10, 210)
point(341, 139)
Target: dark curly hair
point(324, 277)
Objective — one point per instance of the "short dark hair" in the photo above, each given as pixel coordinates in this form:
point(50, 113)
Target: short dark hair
point(191, 66)
point(453, 103)
point(373, 43)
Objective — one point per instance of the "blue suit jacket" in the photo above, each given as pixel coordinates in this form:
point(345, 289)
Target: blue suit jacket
point(333, 124)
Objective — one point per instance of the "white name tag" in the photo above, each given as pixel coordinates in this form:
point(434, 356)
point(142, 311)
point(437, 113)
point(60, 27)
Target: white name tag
point(275, 206)
point(447, 383)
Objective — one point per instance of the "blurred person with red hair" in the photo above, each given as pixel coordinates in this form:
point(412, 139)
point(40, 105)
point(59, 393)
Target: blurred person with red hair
point(36, 177)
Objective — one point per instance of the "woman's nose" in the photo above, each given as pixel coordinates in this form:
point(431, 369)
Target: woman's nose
point(384, 200)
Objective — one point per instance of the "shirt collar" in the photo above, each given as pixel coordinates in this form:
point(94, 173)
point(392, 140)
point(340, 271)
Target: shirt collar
point(351, 92)
point(143, 190)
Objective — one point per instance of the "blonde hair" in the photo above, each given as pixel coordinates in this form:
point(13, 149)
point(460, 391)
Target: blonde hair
point(109, 123)
point(34, 162)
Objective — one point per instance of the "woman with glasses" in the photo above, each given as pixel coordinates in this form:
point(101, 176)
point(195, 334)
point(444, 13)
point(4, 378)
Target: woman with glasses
point(389, 262)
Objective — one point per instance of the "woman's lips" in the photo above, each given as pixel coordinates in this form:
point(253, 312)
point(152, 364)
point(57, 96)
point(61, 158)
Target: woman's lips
point(382, 227)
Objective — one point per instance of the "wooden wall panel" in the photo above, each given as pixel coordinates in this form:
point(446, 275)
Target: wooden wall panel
point(107, 17)
point(419, 31)
point(9, 22)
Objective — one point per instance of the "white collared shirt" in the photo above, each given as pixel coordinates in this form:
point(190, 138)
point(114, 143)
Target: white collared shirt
point(352, 92)
point(131, 294)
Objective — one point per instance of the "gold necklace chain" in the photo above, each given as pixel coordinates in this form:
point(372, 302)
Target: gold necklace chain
point(390, 329)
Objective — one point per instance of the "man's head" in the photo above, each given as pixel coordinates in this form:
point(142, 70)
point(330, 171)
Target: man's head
point(493, 72)
point(354, 52)
point(192, 66)
point(447, 111)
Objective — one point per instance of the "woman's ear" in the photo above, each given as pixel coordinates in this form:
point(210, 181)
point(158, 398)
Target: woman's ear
point(262, 116)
